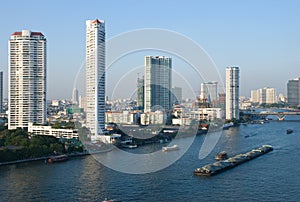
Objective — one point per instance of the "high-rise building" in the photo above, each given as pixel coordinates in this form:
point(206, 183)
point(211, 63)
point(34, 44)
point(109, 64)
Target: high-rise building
point(75, 97)
point(140, 93)
point(232, 93)
point(176, 95)
point(1, 92)
point(27, 79)
point(293, 92)
point(95, 76)
point(209, 91)
point(263, 96)
point(158, 82)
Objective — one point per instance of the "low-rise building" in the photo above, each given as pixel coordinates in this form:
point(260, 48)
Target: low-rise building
point(49, 131)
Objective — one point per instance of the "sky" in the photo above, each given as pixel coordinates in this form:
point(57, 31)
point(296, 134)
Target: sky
point(262, 38)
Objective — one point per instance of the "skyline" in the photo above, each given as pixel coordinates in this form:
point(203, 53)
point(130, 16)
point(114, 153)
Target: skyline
point(259, 37)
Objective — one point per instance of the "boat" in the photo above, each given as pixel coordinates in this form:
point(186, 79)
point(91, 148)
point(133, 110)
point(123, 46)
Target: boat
point(171, 148)
point(289, 131)
point(221, 156)
point(58, 158)
point(228, 125)
point(130, 146)
point(222, 165)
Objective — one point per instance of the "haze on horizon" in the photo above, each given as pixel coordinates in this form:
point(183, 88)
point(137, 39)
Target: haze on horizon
point(260, 37)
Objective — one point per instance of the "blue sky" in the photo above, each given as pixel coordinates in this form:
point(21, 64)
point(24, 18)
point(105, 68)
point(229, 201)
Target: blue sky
point(261, 37)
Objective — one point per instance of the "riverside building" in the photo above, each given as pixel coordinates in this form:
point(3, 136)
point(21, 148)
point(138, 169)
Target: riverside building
point(27, 79)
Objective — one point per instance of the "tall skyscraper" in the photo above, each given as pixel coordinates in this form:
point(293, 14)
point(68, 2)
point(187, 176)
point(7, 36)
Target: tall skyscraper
point(232, 93)
point(1, 92)
point(209, 91)
point(95, 76)
point(140, 93)
point(293, 91)
point(75, 97)
point(158, 82)
point(27, 79)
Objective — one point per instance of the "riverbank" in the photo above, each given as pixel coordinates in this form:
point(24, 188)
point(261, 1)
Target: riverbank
point(41, 158)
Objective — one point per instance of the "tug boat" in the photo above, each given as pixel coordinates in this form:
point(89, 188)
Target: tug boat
point(221, 156)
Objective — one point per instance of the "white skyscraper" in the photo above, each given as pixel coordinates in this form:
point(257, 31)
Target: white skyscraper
point(95, 76)
point(232, 93)
point(209, 91)
point(27, 79)
point(158, 82)
point(75, 97)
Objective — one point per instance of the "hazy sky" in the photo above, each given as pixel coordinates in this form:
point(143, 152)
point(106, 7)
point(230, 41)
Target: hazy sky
point(261, 37)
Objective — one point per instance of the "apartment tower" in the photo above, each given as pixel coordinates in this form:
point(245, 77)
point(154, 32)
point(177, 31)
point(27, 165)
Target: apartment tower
point(95, 76)
point(27, 79)
point(232, 93)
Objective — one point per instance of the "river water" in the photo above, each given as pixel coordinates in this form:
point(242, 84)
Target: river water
point(271, 177)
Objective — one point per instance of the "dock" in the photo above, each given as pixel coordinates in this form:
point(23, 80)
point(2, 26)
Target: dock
point(219, 166)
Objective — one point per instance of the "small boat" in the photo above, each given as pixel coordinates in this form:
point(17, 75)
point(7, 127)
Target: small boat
point(221, 156)
point(171, 148)
point(59, 158)
point(289, 131)
point(130, 146)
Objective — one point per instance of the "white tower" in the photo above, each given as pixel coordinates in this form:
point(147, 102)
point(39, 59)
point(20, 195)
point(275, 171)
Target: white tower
point(27, 79)
point(95, 76)
point(232, 93)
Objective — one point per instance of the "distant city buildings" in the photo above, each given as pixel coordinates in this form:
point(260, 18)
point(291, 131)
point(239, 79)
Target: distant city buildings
point(176, 95)
point(232, 93)
point(157, 83)
point(95, 76)
point(140, 93)
point(293, 92)
point(27, 79)
point(263, 96)
point(1, 92)
point(75, 97)
point(209, 91)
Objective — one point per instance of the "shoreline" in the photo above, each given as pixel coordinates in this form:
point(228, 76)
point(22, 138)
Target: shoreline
point(40, 158)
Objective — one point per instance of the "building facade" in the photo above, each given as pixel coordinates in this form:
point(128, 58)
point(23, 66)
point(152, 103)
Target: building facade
point(95, 76)
point(27, 79)
point(157, 82)
point(232, 93)
point(140, 93)
point(75, 97)
point(263, 96)
point(209, 91)
point(176, 95)
point(293, 92)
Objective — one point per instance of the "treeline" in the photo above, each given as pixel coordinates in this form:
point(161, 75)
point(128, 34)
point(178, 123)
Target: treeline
point(17, 145)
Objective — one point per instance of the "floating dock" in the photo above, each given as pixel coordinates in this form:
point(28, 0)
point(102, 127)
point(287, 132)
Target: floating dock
point(219, 166)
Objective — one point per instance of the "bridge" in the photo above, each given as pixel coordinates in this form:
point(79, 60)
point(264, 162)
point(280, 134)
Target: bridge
point(280, 115)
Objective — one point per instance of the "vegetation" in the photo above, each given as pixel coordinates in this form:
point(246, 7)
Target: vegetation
point(18, 145)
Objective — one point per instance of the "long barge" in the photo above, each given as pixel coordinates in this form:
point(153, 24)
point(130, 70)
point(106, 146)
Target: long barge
point(219, 166)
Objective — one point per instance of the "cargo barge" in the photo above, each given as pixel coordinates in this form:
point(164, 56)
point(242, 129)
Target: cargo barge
point(219, 166)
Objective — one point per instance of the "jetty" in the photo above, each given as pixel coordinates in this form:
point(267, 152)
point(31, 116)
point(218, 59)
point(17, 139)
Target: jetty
point(219, 166)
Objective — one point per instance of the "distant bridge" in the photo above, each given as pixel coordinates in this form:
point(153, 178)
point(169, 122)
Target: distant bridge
point(280, 115)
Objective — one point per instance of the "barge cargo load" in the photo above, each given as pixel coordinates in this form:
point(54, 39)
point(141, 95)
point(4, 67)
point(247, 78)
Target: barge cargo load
point(219, 166)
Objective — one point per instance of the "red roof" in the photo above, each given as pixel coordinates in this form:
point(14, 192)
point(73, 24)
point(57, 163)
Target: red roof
point(96, 21)
point(32, 34)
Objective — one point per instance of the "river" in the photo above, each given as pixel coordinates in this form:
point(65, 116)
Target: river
point(271, 177)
